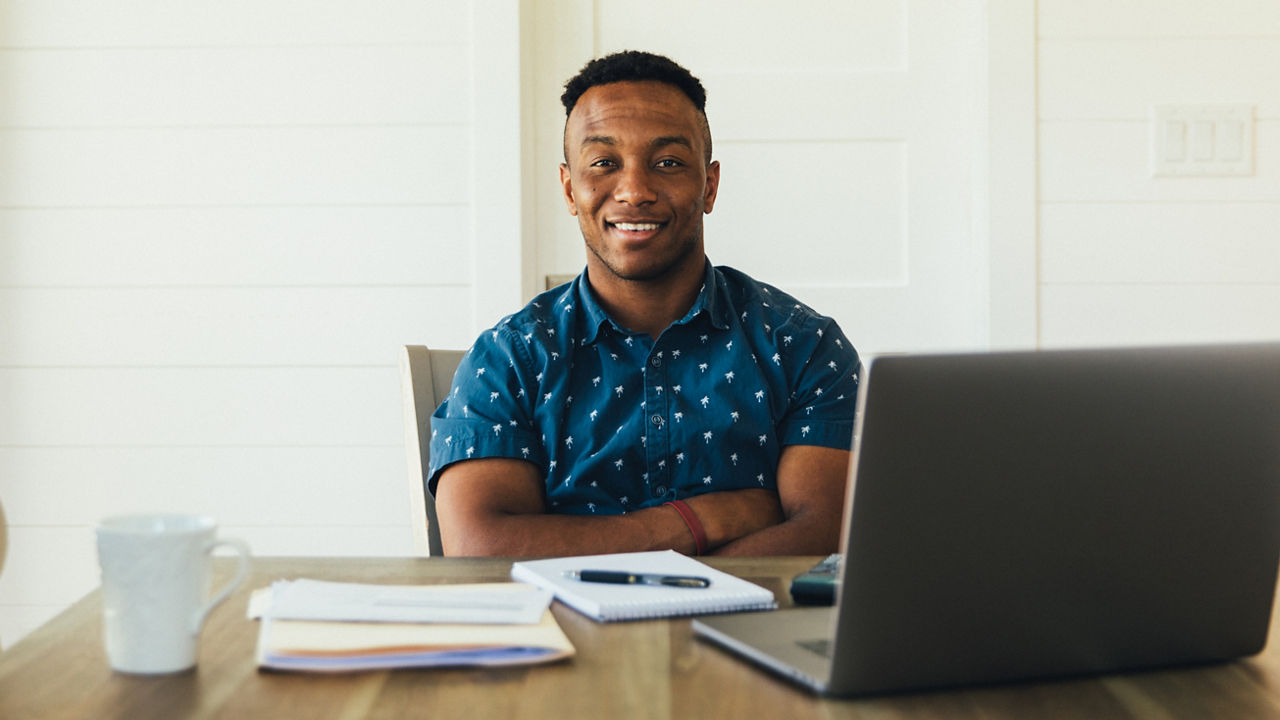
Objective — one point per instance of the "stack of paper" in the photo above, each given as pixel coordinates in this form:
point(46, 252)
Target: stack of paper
point(333, 627)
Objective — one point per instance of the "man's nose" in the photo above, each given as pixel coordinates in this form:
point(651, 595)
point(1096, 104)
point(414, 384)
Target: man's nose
point(634, 186)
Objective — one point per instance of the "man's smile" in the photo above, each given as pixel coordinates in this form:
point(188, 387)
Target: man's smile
point(638, 230)
point(637, 226)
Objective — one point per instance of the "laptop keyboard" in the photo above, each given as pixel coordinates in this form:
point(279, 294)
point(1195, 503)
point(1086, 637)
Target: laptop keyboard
point(821, 647)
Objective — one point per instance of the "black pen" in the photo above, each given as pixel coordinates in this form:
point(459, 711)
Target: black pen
point(622, 577)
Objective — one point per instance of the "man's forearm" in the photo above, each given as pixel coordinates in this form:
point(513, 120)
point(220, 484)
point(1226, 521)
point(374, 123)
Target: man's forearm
point(799, 535)
point(812, 482)
point(733, 514)
point(495, 507)
point(725, 517)
point(544, 534)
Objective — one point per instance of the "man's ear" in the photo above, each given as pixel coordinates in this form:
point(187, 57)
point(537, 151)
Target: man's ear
point(713, 186)
point(566, 182)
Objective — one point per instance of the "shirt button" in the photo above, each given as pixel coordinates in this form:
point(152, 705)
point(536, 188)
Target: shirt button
point(655, 361)
point(660, 491)
point(656, 420)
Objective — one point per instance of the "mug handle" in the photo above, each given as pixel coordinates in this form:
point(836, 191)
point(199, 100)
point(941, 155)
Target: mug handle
point(242, 570)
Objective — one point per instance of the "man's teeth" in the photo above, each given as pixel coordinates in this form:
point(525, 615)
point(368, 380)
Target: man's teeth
point(636, 227)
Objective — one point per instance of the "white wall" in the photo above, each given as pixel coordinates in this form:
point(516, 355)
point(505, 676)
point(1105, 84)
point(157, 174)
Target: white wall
point(1125, 257)
point(218, 219)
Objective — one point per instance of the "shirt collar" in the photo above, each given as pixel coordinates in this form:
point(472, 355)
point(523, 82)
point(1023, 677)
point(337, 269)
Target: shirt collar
point(711, 300)
point(593, 315)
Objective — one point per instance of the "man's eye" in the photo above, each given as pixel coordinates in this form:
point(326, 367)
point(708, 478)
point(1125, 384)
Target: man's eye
point(669, 163)
point(602, 163)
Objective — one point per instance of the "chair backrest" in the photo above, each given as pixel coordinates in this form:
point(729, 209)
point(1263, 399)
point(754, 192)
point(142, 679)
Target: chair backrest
point(4, 545)
point(425, 378)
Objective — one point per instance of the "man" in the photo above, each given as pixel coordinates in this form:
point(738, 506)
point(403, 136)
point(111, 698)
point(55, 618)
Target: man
point(654, 402)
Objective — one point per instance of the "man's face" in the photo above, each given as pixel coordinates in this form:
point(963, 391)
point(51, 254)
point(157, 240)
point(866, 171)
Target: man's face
point(637, 179)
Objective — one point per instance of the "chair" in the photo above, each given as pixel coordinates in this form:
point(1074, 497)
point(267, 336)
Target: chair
point(4, 546)
point(425, 378)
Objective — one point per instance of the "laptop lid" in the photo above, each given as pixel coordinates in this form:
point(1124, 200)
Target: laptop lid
point(1026, 515)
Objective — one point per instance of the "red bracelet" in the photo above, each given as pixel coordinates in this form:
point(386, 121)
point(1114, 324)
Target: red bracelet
point(695, 526)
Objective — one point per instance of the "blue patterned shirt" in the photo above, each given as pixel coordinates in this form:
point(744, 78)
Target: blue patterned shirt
point(615, 421)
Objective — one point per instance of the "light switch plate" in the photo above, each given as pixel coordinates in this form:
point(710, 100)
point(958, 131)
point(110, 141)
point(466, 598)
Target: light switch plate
point(1201, 140)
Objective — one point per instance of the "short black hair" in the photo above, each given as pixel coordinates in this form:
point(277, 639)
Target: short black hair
point(633, 65)
point(638, 66)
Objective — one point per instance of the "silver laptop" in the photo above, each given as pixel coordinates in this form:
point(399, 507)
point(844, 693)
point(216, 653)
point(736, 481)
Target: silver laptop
point(1028, 515)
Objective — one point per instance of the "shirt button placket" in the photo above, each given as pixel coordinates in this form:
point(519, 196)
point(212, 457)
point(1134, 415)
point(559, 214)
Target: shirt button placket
point(656, 442)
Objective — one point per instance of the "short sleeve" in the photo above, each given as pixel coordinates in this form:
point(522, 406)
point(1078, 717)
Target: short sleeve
point(487, 413)
point(825, 371)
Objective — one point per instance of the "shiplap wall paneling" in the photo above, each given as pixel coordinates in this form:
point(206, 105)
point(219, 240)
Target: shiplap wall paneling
point(217, 222)
point(220, 246)
point(1128, 258)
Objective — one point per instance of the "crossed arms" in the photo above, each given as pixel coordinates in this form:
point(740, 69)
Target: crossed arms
point(496, 507)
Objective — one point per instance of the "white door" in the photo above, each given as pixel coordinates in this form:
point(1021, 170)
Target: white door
point(847, 136)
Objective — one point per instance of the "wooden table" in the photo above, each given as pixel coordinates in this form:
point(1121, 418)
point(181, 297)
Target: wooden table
point(652, 669)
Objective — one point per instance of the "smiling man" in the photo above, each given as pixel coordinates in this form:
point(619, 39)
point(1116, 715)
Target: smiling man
point(656, 401)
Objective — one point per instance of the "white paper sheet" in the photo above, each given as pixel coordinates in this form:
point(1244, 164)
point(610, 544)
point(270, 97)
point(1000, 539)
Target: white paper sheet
point(488, 603)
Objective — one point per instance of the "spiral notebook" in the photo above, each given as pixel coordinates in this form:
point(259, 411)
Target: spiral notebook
point(609, 602)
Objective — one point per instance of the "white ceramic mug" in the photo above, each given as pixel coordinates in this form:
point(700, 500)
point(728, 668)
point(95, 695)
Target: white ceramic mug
point(155, 588)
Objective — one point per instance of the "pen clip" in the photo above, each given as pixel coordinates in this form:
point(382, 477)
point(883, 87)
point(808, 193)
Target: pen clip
point(685, 581)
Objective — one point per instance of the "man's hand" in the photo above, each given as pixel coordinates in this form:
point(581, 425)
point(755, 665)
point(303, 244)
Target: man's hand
point(729, 515)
